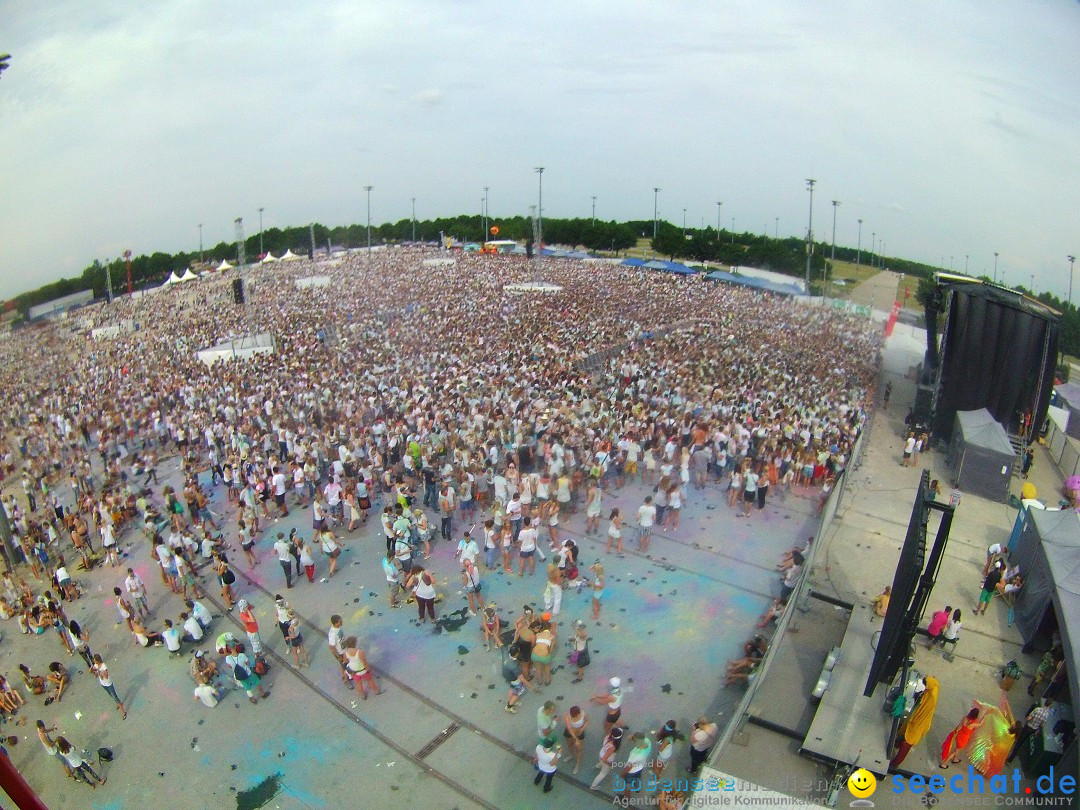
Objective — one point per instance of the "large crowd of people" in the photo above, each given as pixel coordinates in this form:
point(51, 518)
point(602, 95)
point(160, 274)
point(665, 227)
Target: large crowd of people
point(415, 393)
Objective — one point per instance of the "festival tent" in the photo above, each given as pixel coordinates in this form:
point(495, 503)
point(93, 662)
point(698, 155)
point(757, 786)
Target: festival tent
point(224, 265)
point(633, 262)
point(754, 283)
point(1048, 553)
point(270, 257)
point(289, 256)
point(188, 275)
point(980, 455)
point(172, 279)
point(669, 267)
point(1070, 394)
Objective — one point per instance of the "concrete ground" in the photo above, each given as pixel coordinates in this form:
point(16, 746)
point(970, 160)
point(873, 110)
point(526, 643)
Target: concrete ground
point(438, 736)
point(856, 561)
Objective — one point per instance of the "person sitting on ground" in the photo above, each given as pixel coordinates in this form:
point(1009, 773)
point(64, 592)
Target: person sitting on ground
point(1009, 588)
point(35, 684)
point(58, 677)
point(787, 559)
point(755, 651)
point(774, 612)
point(143, 636)
point(202, 669)
point(880, 603)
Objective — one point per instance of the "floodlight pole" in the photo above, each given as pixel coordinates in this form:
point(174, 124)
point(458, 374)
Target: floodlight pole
point(719, 205)
point(835, 205)
point(261, 251)
point(414, 219)
point(368, 190)
point(540, 209)
point(858, 252)
point(810, 182)
point(485, 215)
point(655, 210)
point(593, 209)
point(200, 244)
point(1071, 260)
point(776, 230)
point(995, 266)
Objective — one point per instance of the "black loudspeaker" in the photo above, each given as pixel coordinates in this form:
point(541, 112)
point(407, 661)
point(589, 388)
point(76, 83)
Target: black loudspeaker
point(238, 291)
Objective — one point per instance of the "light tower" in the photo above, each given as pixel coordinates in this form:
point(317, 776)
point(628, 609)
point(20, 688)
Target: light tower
point(1071, 260)
point(540, 210)
point(485, 236)
point(995, 266)
point(414, 219)
point(810, 182)
point(719, 205)
point(655, 210)
point(832, 255)
point(261, 251)
point(127, 259)
point(593, 209)
point(858, 252)
point(239, 222)
point(368, 190)
point(200, 244)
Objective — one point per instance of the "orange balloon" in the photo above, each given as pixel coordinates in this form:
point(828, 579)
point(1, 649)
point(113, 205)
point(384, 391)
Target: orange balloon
point(494, 230)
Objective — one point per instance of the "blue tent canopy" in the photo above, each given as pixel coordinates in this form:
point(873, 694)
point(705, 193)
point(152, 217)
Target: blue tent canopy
point(755, 283)
point(633, 262)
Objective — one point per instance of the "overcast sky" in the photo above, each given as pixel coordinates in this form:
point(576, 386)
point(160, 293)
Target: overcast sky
point(949, 128)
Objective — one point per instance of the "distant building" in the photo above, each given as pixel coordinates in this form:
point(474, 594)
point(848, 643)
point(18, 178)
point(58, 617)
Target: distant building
point(52, 308)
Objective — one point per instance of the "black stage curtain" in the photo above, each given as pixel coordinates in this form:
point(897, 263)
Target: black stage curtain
point(992, 357)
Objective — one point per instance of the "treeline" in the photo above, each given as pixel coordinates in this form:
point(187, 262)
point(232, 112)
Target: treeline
point(787, 255)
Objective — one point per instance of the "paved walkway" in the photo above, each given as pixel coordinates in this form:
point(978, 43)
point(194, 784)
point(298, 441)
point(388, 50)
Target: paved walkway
point(877, 292)
point(438, 737)
point(857, 560)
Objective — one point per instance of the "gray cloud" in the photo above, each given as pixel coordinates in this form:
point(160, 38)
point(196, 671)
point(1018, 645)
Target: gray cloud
point(949, 132)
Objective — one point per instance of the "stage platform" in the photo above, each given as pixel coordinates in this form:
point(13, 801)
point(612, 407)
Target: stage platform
point(846, 724)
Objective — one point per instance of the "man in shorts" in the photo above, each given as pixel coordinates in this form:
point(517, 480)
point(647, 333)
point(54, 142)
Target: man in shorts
point(989, 587)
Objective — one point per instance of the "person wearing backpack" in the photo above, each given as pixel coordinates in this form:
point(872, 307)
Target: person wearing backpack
point(244, 674)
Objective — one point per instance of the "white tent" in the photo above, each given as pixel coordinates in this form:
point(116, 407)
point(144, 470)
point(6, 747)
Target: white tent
point(289, 256)
point(270, 257)
point(188, 275)
point(173, 278)
point(224, 266)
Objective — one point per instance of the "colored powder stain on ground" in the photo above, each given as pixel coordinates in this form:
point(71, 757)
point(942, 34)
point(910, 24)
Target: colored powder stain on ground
point(261, 794)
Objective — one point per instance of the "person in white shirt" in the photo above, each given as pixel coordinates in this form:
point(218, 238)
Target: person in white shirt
point(207, 694)
point(201, 614)
point(193, 631)
point(547, 762)
point(467, 549)
point(646, 517)
point(526, 548)
point(172, 638)
point(284, 557)
point(137, 590)
point(278, 482)
point(335, 638)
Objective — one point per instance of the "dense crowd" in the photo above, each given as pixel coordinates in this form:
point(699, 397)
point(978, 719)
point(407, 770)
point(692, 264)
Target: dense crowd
point(409, 385)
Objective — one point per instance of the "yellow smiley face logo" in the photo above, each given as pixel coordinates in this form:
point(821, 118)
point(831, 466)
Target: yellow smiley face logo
point(862, 783)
